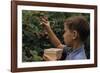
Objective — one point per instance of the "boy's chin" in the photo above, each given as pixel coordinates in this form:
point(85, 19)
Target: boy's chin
point(69, 45)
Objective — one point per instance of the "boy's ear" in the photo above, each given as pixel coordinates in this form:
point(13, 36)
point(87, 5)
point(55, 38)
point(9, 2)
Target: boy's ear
point(75, 34)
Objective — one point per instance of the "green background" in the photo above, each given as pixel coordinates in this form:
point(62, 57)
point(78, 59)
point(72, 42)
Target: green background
point(35, 39)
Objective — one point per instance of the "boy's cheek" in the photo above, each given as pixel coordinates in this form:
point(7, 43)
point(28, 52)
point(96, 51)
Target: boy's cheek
point(67, 40)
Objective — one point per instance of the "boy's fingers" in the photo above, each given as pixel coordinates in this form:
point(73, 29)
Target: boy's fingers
point(43, 23)
point(44, 18)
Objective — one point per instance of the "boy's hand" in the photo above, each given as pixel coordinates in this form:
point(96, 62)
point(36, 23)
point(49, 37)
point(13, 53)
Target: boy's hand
point(44, 22)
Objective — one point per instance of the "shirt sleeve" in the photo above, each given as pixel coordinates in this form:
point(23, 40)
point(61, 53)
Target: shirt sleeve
point(64, 53)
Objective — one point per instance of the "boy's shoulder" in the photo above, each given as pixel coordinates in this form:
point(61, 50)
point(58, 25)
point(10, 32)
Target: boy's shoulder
point(79, 54)
point(74, 55)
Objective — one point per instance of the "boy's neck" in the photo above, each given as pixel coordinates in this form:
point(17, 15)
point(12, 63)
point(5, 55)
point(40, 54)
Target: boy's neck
point(77, 45)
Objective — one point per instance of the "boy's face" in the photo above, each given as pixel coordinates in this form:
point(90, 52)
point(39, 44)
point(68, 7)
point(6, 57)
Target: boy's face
point(68, 36)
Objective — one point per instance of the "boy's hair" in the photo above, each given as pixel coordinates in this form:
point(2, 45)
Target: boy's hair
point(80, 24)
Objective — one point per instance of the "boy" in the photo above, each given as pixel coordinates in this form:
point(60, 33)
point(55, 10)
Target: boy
point(76, 31)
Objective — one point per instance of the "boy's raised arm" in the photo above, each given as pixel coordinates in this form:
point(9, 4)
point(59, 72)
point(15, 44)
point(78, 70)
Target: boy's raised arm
point(46, 25)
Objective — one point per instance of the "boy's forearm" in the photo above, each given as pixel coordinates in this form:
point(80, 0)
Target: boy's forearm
point(53, 38)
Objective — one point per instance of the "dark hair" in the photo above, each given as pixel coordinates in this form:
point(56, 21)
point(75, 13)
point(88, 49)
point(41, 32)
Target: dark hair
point(80, 24)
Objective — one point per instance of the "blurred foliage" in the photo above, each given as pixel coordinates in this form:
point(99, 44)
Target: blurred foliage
point(35, 39)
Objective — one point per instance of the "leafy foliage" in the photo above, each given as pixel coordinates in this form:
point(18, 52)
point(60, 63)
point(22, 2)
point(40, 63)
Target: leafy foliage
point(34, 38)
